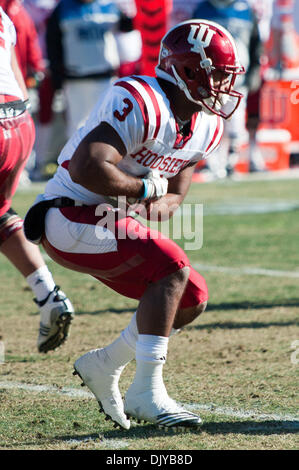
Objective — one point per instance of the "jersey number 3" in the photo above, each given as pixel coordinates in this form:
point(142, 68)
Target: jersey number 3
point(126, 110)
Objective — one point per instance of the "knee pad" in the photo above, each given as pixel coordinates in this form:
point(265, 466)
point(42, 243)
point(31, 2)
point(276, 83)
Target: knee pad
point(10, 223)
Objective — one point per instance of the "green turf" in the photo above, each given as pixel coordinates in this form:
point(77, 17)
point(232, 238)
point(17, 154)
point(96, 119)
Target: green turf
point(237, 355)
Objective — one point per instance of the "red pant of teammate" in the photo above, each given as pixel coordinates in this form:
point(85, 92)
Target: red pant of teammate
point(133, 257)
point(17, 136)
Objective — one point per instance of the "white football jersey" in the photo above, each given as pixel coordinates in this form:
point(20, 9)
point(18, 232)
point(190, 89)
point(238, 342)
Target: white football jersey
point(139, 110)
point(8, 82)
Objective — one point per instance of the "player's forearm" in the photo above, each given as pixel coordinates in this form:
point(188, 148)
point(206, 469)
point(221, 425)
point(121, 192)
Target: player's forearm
point(106, 179)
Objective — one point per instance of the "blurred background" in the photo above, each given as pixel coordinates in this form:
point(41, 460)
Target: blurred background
point(57, 47)
point(236, 363)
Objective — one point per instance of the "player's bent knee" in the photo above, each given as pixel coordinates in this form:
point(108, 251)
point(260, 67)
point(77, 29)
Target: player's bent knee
point(182, 275)
point(196, 293)
point(187, 315)
point(10, 223)
point(175, 281)
point(199, 309)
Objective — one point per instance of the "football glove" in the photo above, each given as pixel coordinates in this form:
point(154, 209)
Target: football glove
point(155, 186)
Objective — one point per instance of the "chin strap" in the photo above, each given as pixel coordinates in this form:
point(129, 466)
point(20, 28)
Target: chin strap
point(182, 85)
point(209, 105)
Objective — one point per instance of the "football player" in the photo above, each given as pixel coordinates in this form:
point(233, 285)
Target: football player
point(142, 141)
point(16, 141)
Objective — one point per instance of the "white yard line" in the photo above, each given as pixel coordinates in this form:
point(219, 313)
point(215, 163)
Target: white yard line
point(247, 271)
point(293, 422)
point(100, 442)
point(289, 174)
point(237, 207)
point(250, 207)
point(244, 414)
point(222, 269)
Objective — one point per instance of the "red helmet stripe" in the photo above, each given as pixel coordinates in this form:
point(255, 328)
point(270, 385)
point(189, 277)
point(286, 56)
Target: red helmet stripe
point(141, 103)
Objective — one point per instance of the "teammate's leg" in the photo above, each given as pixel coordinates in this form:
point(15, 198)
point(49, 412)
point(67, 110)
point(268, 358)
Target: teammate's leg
point(55, 309)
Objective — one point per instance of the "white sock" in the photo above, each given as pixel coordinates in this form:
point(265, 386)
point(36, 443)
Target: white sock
point(41, 282)
point(151, 352)
point(151, 348)
point(122, 350)
point(130, 334)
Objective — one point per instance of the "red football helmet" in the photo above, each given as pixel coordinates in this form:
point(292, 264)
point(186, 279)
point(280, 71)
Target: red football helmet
point(200, 57)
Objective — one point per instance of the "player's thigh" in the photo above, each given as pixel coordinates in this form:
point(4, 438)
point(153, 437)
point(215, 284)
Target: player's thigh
point(16, 141)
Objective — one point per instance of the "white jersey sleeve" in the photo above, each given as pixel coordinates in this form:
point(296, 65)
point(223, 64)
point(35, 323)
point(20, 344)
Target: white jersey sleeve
point(125, 114)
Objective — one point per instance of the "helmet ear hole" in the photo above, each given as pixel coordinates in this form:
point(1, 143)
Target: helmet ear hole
point(189, 73)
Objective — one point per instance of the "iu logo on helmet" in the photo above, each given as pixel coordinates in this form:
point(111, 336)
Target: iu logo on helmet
point(200, 36)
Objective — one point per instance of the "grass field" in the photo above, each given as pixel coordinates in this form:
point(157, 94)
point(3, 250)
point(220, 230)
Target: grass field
point(236, 365)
